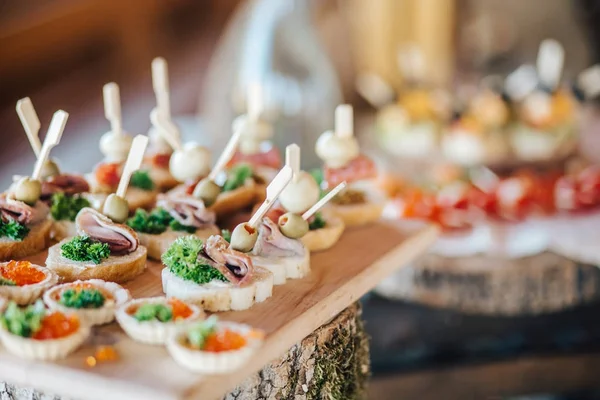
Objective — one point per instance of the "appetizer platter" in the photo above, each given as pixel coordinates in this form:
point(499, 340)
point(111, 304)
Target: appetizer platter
point(107, 292)
point(507, 186)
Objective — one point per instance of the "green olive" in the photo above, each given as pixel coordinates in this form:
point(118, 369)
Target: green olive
point(28, 190)
point(207, 191)
point(116, 208)
point(243, 238)
point(49, 169)
point(293, 225)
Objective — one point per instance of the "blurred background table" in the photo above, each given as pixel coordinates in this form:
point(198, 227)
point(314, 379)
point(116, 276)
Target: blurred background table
point(62, 53)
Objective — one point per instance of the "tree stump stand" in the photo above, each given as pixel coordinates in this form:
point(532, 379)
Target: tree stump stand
point(331, 363)
point(538, 284)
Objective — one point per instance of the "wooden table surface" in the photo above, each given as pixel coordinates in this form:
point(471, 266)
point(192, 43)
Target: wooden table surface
point(338, 278)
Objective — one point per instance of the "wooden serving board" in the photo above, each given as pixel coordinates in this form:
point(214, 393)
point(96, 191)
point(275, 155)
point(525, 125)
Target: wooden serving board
point(338, 278)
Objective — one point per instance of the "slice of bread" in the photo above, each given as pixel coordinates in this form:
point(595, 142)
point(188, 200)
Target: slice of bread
point(326, 237)
point(136, 198)
point(158, 244)
point(62, 230)
point(162, 178)
point(284, 268)
point(36, 240)
point(220, 296)
point(358, 214)
point(235, 200)
point(114, 269)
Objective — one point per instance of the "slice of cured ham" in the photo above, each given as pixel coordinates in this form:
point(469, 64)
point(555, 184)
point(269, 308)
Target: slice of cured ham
point(235, 266)
point(120, 238)
point(188, 211)
point(358, 169)
point(15, 210)
point(64, 183)
point(272, 243)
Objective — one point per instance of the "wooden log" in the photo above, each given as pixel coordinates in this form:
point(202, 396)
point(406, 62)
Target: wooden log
point(538, 284)
point(331, 363)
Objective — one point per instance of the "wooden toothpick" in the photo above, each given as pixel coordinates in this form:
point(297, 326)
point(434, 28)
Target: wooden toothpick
point(550, 61)
point(55, 131)
point(292, 159)
point(273, 191)
point(319, 204)
point(255, 101)
point(31, 123)
point(134, 160)
point(374, 89)
point(226, 155)
point(160, 82)
point(112, 107)
point(344, 121)
point(166, 128)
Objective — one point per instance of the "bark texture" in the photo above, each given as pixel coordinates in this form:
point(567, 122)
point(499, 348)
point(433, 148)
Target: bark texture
point(538, 284)
point(332, 363)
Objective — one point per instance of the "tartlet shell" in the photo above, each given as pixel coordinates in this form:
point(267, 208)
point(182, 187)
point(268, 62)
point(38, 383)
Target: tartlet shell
point(209, 362)
point(29, 293)
point(44, 350)
point(95, 316)
point(153, 332)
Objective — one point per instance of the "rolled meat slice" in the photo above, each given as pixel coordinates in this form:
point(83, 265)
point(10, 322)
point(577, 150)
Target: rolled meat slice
point(272, 243)
point(235, 266)
point(120, 238)
point(64, 183)
point(188, 211)
point(15, 210)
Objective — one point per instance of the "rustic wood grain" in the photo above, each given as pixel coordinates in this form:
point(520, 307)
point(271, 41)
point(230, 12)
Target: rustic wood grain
point(339, 277)
point(489, 285)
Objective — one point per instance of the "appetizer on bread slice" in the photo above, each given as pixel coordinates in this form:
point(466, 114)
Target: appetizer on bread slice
point(213, 276)
point(24, 282)
point(214, 347)
point(94, 301)
point(225, 192)
point(300, 195)
point(219, 276)
point(172, 218)
point(362, 202)
point(39, 334)
point(152, 320)
point(24, 226)
point(115, 145)
point(105, 248)
point(63, 193)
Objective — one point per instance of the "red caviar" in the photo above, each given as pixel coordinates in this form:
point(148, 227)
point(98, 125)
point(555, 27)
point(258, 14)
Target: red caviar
point(180, 309)
point(57, 325)
point(225, 340)
point(21, 273)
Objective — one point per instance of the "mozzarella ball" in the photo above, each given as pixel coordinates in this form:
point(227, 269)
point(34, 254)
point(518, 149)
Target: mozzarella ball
point(158, 144)
point(336, 151)
point(191, 163)
point(115, 147)
point(299, 196)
